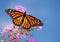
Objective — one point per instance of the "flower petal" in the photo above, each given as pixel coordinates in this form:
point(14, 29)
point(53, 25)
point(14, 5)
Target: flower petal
point(20, 8)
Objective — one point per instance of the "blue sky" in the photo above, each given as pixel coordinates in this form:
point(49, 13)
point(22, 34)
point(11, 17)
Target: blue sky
point(48, 11)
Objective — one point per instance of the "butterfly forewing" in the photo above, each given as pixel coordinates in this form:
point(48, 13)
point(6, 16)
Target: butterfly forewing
point(31, 19)
point(14, 13)
point(39, 22)
point(34, 21)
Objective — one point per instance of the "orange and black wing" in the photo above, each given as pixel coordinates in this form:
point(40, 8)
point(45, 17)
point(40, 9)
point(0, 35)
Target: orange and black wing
point(34, 21)
point(14, 13)
point(26, 24)
point(18, 21)
point(17, 16)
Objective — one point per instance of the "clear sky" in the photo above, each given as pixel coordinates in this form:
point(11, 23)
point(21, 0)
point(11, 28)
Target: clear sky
point(48, 11)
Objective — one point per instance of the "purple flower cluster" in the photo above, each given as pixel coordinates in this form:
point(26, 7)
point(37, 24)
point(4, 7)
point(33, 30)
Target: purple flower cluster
point(20, 8)
point(34, 40)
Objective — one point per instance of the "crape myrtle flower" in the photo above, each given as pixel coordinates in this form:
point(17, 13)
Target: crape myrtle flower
point(32, 40)
point(20, 8)
point(39, 27)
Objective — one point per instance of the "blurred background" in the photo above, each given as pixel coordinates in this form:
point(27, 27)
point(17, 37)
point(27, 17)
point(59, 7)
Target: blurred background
point(48, 11)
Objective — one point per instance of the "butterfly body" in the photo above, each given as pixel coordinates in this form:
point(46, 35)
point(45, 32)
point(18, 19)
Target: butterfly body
point(23, 19)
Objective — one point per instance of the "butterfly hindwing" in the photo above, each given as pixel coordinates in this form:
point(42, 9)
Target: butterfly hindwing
point(26, 24)
point(18, 21)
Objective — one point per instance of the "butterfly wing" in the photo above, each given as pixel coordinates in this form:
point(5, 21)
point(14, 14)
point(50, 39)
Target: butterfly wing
point(18, 21)
point(26, 24)
point(17, 16)
point(13, 13)
point(34, 21)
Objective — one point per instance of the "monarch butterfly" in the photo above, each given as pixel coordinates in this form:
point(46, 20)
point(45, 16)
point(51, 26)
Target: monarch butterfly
point(23, 19)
